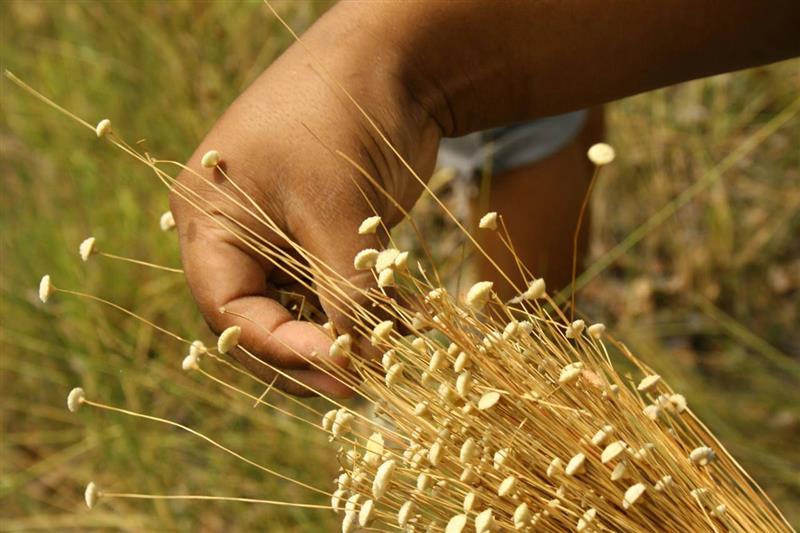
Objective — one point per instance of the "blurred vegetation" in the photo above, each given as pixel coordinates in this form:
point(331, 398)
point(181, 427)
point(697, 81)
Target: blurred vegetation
point(709, 297)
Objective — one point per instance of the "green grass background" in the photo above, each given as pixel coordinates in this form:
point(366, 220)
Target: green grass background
point(709, 297)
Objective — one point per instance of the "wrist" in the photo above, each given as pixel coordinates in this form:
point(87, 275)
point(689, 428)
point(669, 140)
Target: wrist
point(372, 54)
point(361, 55)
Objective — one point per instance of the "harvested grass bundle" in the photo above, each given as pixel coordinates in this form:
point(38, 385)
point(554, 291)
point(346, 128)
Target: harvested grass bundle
point(501, 415)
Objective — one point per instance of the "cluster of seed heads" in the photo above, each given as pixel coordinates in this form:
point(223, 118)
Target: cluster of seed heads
point(488, 415)
point(500, 416)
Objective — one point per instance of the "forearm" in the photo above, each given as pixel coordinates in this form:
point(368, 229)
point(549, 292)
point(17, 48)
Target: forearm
point(478, 64)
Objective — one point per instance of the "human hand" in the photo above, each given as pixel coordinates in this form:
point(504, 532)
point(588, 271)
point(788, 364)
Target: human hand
point(278, 142)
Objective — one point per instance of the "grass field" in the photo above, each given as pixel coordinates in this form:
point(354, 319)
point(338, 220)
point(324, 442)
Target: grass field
point(707, 292)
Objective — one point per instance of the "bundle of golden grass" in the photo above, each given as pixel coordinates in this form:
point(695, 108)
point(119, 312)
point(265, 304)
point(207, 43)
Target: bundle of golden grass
point(487, 415)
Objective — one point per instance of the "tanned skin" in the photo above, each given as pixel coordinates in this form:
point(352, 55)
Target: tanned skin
point(424, 71)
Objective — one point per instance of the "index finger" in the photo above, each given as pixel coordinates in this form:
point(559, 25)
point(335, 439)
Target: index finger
point(221, 274)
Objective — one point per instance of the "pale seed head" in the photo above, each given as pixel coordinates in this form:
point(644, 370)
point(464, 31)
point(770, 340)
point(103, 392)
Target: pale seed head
point(75, 399)
point(596, 331)
point(386, 278)
point(343, 481)
point(418, 321)
point(469, 451)
point(388, 358)
point(469, 476)
point(441, 488)
point(190, 362)
point(479, 294)
point(327, 419)
point(401, 261)
point(434, 295)
point(350, 522)
point(576, 465)
point(652, 411)
point(438, 360)
point(424, 481)
point(570, 373)
point(336, 500)
point(535, 290)
point(342, 423)
point(575, 329)
point(91, 495)
point(87, 248)
point(210, 159)
point(522, 516)
point(405, 513)
point(197, 348)
point(620, 471)
point(464, 383)
point(435, 454)
point(500, 458)
point(663, 483)
point(381, 332)
point(374, 451)
point(648, 383)
point(555, 467)
point(587, 518)
point(633, 494)
point(103, 128)
point(367, 513)
point(488, 400)
point(511, 330)
point(167, 221)
point(470, 500)
point(365, 259)
point(612, 451)
point(463, 360)
point(352, 457)
point(229, 339)
point(508, 487)
point(394, 374)
point(485, 522)
point(369, 225)
point(46, 289)
point(678, 402)
point(383, 477)
point(456, 524)
point(488, 221)
point(341, 346)
point(613, 390)
point(386, 259)
point(422, 409)
point(702, 455)
point(601, 154)
point(602, 434)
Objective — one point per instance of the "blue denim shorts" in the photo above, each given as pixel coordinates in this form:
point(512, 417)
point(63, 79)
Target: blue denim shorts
point(509, 147)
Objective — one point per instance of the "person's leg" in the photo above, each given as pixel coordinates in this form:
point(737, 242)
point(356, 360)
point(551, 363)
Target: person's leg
point(540, 204)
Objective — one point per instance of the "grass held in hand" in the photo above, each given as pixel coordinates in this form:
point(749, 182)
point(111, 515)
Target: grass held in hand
point(486, 414)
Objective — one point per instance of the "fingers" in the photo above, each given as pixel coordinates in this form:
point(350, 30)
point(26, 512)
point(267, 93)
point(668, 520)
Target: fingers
point(342, 288)
point(223, 275)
